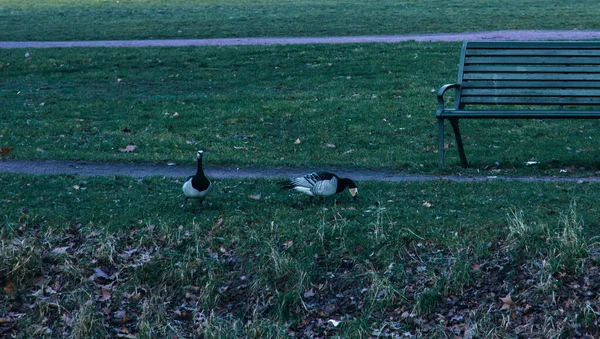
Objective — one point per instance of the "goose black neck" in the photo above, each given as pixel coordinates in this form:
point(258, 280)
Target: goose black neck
point(200, 171)
point(343, 183)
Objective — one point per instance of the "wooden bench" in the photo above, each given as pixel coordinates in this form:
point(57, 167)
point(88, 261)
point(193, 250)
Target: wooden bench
point(521, 80)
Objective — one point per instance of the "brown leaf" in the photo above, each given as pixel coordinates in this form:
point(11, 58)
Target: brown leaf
point(9, 288)
point(6, 320)
point(106, 294)
point(507, 302)
point(129, 148)
point(5, 151)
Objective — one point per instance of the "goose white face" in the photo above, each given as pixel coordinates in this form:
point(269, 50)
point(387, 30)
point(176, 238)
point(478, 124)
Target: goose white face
point(199, 154)
point(354, 192)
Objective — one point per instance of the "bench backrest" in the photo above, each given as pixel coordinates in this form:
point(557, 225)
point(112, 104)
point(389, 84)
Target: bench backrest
point(529, 73)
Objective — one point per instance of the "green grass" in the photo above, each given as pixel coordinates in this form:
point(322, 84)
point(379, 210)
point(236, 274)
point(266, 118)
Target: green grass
point(88, 255)
point(356, 105)
point(153, 19)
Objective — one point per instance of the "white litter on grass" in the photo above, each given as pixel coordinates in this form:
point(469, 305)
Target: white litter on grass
point(530, 163)
point(334, 322)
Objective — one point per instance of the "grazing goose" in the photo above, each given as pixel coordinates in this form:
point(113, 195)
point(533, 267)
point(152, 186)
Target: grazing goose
point(197, 186)
point(321, 184)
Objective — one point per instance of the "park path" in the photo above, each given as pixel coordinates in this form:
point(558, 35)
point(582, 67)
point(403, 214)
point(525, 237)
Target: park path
point(137, 170)
point(523, 35)
point(86, 168)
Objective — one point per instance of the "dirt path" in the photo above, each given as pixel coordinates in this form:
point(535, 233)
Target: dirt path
point(86, 168)
point(496, 35)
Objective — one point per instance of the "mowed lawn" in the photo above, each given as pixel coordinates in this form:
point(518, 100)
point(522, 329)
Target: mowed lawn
point(354, 105)
point(33, 20)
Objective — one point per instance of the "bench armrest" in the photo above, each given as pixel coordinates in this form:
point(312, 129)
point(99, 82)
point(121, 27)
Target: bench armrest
point(440, 95)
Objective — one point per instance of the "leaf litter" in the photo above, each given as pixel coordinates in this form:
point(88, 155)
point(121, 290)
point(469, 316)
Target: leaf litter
point(503, 289)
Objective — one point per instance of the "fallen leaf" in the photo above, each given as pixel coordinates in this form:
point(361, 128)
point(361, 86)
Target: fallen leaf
point(106, 294)
point(331, 145)
point(6, 320)
point(61, 250)
point(507, 302)
point(427, 204)
point(256, 196)
point(41, 150)
point(5, 151)
point(297, 141)
point(99, 273)
point(288, 244)
point(9, 288)
point(309, 293)
point(120, 314)
point(129, 148)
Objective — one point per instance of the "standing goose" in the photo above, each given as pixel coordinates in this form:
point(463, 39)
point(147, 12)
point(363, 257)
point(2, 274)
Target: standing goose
point(321, 184)
point(197, 186)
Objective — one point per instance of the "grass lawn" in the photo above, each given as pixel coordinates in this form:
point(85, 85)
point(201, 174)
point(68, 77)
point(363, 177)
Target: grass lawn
point(154, 19)
point(356, 105)
point(117, 256)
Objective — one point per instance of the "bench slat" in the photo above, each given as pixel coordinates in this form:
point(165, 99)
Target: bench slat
point(535, 60)
point(531, 69)
point(531, 76)
point(515, 114)
point(529, 52)
point(541, 92)
point(530, 45)
point(528, 100)
point(529, 84)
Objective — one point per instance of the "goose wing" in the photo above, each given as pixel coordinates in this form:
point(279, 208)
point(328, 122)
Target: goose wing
point(326, 183)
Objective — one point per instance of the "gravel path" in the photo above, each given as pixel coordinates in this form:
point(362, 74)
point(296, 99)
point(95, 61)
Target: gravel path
point(497, 35)
point(136, 170)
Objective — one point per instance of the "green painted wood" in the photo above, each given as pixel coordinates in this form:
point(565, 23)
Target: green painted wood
point(519, 114)
point(534, 60)
point(532, 45)
point(531, 76)
point(532, 100)
point(529, 84)
point(531, 69)
point(534, 52)
point(522, 80)
point(537, 92)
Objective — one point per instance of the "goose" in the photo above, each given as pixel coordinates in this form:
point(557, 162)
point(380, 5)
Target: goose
point(321, 184)
point(197, 186)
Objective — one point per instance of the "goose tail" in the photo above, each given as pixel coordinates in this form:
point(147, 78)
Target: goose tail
point(286, 185)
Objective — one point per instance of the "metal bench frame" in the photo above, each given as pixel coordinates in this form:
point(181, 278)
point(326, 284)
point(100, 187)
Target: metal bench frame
point(521, 80)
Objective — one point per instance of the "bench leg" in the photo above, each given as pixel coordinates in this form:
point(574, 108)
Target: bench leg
point(440, 143)
point(459, 144)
